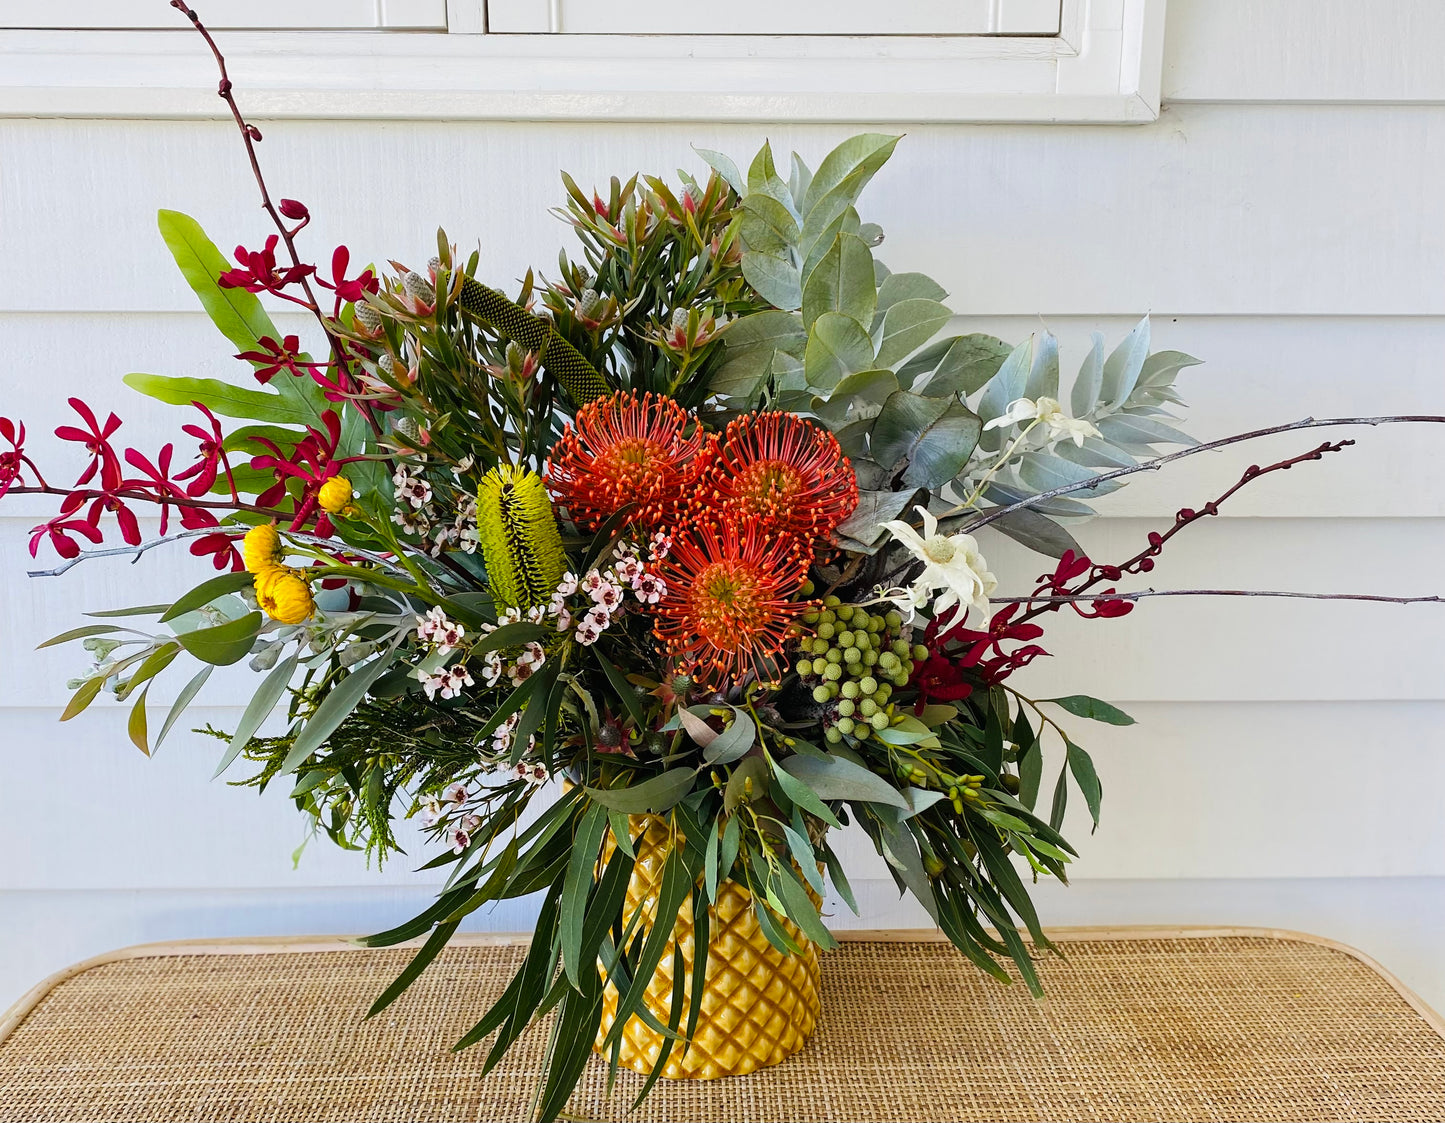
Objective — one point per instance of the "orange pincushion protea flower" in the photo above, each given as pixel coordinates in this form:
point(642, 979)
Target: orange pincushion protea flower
point(726, 611)
point(785, 472)
point(627, 448)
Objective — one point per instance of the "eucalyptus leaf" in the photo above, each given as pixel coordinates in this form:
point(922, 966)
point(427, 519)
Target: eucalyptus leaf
point(907, 326)
point(1037, 532)
point(898, 287)
point(838, 346)
point(842, 282)
point(1140, 432)
point(874, 508)
point(835, 777)
point(724, 167)
point(776, 279)
point(1123, 367)
point(1082, 766)
point(963, 366)
point(858, 157)
point(225, 643)
point(655, 795)
point(1085, 394)
point(768, 226)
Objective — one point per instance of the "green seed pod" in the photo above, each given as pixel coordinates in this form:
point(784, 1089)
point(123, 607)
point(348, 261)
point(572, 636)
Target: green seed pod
point(901, 648)
point(868, 707)
point(883, 693)
point(820, 693)
point(807, 588)
point(810, 617)
point(868, 684)
point(832, 672)
point(844, 725)
point(894, 619)
point(828, 616)
point(862, 732)
point(920, 653)
point(804, 667)
point(900, 680)
point(826, 630)
point(851, 655)
point(850, 689)
point(818, 646)
point(845, 612)
point(888, 661)
point(833, 655)
point(870, 658)
point(833, 736)
point(832, 601)
point(846, 707)
point(843, 639)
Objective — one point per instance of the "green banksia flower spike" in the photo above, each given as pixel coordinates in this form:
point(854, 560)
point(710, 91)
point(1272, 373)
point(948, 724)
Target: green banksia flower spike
point(520, 543)
point(563, 361)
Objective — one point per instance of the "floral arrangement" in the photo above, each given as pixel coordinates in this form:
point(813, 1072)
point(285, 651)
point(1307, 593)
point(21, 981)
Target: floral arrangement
point(679, 542)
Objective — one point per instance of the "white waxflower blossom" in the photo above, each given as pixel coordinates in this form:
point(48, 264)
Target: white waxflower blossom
point(954, 575)
point(1049, 413)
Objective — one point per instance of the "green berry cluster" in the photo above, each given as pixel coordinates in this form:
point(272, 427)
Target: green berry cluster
point(853, 660)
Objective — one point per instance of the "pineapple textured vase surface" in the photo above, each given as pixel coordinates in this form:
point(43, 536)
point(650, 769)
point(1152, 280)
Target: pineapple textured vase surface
point(759, 1006)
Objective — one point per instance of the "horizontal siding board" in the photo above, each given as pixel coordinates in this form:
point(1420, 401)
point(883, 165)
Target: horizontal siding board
point(1232, 790)
point(1258, 371)
point(1315, 51)
point(1215, 209)
point(1184, 648)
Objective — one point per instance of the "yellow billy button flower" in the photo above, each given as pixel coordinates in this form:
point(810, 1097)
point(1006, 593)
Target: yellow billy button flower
point(284, 595)
point(262, 548)
point(520, 544)
point(335, 495)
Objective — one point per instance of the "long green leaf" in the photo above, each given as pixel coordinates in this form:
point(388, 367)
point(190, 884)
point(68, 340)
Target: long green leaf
point(225, 643)
point(1082, 766)
point(576, 888)
point(83, 632)
point(1081, 705)
point(261, 705)
point(419, 963)
point(655, 795)
point(183, 699)
point(207, 591)
point(343, 698)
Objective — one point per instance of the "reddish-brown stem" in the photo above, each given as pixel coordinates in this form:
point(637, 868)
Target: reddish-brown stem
point(234, 504)
point(1143, 560)
point(1071, 598)
point(249, 133)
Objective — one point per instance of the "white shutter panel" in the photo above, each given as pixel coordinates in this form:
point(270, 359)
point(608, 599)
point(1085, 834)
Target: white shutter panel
point(408, 15)
point(771, 17)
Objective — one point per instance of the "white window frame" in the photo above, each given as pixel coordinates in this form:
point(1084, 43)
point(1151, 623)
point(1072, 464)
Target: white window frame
point(1103, 66)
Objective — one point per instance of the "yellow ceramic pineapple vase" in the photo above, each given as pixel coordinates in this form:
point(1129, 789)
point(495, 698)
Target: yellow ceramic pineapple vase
point(760, 1005)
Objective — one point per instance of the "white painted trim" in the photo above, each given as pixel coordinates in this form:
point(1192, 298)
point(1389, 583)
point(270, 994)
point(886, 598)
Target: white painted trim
point(1103, 67)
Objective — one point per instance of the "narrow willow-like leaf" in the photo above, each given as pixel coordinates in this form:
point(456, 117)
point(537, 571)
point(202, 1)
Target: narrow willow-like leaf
point(183, 699)
point(343, 698)
point(261, 705)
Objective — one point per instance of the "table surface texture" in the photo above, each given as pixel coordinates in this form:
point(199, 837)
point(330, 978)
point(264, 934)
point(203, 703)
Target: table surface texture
point(1137, 1025)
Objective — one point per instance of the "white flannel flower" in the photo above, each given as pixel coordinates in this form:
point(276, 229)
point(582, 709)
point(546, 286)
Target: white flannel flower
point(954, 572)
point(1048, 412)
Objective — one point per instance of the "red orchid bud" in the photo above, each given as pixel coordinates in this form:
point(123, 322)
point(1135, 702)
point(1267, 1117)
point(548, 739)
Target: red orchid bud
point(294, 209)
point(253, 132)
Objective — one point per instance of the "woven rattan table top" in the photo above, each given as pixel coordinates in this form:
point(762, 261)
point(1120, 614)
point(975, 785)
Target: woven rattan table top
point(1139, 1024)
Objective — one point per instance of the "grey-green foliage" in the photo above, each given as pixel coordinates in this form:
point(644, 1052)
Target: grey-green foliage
point(857, 347)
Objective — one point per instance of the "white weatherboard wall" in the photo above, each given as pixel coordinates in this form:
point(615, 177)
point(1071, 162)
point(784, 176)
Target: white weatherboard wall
point(1282, 220)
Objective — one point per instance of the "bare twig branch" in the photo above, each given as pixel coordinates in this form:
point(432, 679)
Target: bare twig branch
point(1159, 461)
point(249, 135)
point(135, 552)
point(1070, 598)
